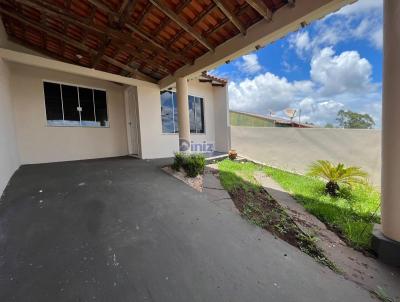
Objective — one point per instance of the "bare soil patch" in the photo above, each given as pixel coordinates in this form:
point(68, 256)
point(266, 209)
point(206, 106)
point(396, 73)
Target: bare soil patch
point(195, 182)
point(261, 209)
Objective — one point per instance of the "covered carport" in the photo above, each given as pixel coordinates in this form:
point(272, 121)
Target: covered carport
point(120, 229)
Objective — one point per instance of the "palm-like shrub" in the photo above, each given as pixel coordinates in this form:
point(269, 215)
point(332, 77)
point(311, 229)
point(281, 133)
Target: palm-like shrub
point(337, 175)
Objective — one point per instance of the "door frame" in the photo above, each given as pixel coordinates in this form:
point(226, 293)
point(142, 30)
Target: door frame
point(132, 119)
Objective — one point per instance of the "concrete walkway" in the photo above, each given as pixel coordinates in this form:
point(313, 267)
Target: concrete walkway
point(123, 230)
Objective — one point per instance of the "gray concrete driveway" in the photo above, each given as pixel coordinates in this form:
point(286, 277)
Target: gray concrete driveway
point(122, 230)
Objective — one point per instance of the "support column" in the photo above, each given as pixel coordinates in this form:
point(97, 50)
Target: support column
point(183, 114)
point(386, 240)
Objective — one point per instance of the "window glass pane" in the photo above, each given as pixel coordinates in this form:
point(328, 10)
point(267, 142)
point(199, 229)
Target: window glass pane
point(86, 101)
point(192, 114)
point(52, 97)
point(175, 112)
point(199, 115)
point(100, 101)
point(167, 112)
point(70, 102)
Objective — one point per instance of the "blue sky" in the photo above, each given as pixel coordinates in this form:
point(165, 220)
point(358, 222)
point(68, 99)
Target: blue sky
point(334, 63)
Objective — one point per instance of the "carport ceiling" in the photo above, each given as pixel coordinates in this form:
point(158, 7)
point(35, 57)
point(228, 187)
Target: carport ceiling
point(144, 39)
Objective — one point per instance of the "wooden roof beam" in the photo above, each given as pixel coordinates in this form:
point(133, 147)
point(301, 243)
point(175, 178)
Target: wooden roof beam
point(43, 51)
point(182, 23)
point(72, 42)
point(96, 60)
point(58, 12)
point(234, 19)
point(260, 7)
point(167, 20)
point(125, 11)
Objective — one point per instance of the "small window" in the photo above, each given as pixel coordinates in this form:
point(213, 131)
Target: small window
point(54, 111)
point(169, 113)
point(68, 105)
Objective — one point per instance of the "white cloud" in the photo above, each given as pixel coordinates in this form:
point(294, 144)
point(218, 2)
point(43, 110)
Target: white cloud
point(361, 7)
point(377, 38)
point(344, 73)
point(319, 112)
point(359, 21)
point(266, 92)
point(249, 64)
point(301, 42)
point(336, 82)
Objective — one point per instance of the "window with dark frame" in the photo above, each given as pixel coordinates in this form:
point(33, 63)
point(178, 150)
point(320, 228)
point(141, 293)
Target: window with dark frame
point(68, 105)
point(169, 113)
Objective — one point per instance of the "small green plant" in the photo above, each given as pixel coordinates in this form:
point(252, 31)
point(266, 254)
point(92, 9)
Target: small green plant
point(381, 295)
point(194, 164)
point(179, 159)
point(337, 175)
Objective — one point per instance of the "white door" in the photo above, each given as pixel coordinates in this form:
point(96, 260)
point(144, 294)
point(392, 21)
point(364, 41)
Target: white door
point(132, 118)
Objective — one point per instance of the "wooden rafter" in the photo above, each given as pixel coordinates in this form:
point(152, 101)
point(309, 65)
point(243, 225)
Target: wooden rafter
point(261, 8)
point(43, 51)
point(152, 37)
point(72, 42)
point(125, 11)
point(182, 23)
point(167, 20)
point(101, 52)
point(143, 14)
point(234, 19)
point(198, 19)
point(61, 13)
point(215, 29)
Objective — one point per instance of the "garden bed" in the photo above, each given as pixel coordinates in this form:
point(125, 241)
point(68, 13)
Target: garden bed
point(351, 214)
point(256, 205)
point(195, 182)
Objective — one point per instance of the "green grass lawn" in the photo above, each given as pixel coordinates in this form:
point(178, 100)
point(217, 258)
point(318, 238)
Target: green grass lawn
point(350, 214)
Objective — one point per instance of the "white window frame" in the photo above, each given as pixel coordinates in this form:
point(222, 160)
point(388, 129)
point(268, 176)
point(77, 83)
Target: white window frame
point(173, 115)
point(79, 104)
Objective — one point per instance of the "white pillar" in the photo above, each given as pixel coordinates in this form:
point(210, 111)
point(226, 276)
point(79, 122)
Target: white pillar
point(391, 121)
point(183, 114)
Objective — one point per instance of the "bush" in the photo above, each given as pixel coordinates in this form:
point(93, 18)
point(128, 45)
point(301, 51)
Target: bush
point(179, 159)
point(337, 175)
point(194, 165)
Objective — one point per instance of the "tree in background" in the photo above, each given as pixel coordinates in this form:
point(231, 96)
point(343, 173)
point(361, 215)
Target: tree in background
point(350, 119)
point(329, 125)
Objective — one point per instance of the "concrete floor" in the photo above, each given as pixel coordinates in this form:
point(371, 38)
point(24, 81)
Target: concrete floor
point(122, 230)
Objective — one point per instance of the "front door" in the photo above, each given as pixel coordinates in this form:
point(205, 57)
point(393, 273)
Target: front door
point(133, 126)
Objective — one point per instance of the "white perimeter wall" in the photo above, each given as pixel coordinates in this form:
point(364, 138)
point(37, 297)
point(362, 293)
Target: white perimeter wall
point(9, 160)
point(294, 149)
point(39, 143)
point(156, 144)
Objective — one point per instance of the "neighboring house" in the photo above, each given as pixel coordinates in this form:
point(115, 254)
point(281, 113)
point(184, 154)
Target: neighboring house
point(246, 119)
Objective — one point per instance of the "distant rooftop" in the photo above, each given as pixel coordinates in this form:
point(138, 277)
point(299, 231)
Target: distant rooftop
point(276, 120)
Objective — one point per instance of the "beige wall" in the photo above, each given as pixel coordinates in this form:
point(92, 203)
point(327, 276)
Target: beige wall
point(294, 149)
point(221, 116)
point(156, 144)
point(9, 160)
point(39, 143)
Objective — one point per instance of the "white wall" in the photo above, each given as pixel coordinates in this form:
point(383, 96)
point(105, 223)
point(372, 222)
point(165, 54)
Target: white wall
point(9, 160)
point(156, 144)
point(39, 143)
point(295, 149)
point(221, 115)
